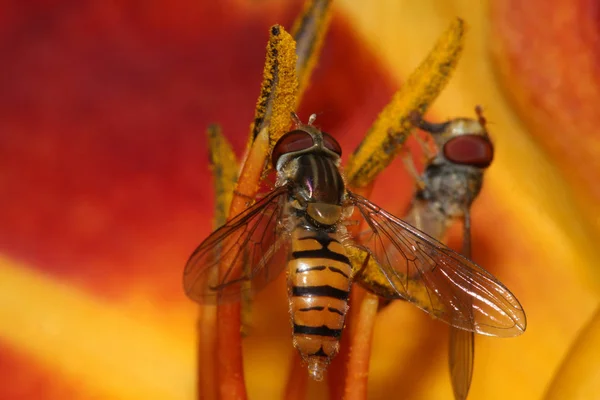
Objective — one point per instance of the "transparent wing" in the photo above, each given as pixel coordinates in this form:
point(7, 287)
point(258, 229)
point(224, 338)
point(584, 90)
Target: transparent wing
point(425, 216)
point(243, 255)
point(425, 272)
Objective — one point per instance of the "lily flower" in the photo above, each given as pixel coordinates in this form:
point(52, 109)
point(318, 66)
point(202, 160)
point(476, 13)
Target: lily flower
point(106, 188)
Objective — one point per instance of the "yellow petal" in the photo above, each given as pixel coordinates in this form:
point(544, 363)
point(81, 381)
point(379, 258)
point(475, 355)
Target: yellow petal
point(579, 375)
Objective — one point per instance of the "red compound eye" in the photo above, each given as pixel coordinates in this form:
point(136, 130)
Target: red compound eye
point(331, 144)
point(473, 150)
point(290, 142)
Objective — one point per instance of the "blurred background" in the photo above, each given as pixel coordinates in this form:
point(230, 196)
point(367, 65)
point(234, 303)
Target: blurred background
point(105, 187)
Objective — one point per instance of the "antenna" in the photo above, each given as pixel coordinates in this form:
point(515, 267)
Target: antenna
point(480, 117)
point(296, 119)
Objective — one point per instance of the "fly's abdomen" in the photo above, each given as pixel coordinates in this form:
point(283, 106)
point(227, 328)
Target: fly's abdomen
point(319, 284)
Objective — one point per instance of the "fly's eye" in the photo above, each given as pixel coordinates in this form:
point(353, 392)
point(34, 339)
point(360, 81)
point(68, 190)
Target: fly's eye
point(296, 140)
point(473, 150)
point(331, 144)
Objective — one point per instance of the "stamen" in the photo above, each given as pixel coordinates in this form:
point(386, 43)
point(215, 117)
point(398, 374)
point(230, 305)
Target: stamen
point(393, 125)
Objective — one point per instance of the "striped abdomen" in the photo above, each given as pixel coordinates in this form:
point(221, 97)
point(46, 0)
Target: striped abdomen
point(319, 281)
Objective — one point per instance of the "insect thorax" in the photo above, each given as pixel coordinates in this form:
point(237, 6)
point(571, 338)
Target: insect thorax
point(452, 188)
point(317, 188)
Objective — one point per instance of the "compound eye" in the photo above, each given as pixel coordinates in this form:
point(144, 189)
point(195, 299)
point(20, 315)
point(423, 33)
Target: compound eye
point(474, 150)
point(331, 144)
point(292, 141)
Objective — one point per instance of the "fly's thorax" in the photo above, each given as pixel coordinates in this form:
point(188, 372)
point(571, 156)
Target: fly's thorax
point(317, 178)
point(450, 188)
point(317, 189)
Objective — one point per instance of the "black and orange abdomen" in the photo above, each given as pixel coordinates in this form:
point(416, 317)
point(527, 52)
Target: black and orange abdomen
point(319, 278)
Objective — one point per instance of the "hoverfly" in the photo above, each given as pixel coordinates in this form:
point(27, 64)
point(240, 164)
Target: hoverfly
point(451, 181)
point(302, 224)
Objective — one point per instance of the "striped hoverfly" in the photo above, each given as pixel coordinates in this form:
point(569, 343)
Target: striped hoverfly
point(302, 224)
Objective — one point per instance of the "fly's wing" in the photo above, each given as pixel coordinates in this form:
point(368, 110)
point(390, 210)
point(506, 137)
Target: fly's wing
point(436, 279)
point(425, 216)
point(243, 255)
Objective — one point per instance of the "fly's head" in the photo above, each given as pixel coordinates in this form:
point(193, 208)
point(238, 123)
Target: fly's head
point(304, 139)
point(462, 141)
